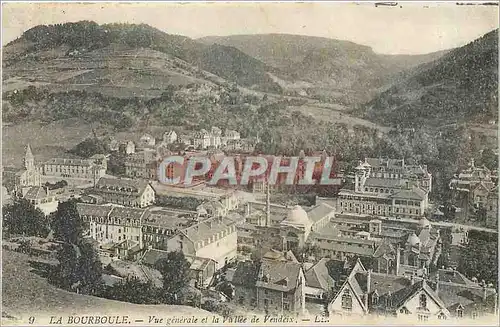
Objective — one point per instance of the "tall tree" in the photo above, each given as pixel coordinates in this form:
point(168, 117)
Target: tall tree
point(21, 217)
point(64, 274)
point(89, 272)
point(175, 271)
point(67, 224)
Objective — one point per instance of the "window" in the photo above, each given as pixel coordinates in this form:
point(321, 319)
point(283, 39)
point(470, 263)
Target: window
point(423, 301)
point(441, 316)
point(460, 312)
point(286, 306)
point(241, 300)
point(474, 315)
point(423, 317)
point(347, 300)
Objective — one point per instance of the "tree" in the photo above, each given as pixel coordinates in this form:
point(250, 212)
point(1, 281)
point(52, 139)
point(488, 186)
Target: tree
point(176, 275)
point(67, 223)
point(79, 269)
point(133, 290)
point(489, 159)
point(89, 272)
point(64, 274)
point(479, 257)
point(21, 217)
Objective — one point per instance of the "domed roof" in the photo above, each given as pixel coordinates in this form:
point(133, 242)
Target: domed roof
point(297, 216)
point(413, 240)
point(424, 222)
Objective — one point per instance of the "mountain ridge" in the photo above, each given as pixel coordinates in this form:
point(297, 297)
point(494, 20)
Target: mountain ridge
point(463, 84)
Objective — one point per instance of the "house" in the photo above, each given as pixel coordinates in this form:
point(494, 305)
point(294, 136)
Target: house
point(432, 298)
point(127, 192)
point(169, 137)
point(41, 198)
point(213, 238)
point(147, 141)
point(271, 285)
point(472, 187)
point(141, 164)
point(110, 225)
point(202, 269)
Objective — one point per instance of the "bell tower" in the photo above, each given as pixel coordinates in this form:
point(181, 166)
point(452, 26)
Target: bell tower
point(29, 159)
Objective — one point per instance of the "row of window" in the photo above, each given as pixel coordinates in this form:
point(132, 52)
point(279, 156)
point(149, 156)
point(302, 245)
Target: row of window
point(216, 237)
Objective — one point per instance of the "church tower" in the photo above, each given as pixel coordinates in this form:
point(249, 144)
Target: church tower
point(29, 159)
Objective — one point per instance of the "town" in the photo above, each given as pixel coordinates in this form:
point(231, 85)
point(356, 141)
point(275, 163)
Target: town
point(375, 247)
point(267, 163)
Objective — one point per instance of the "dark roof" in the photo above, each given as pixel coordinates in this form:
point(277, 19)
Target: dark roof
point(35, 192)
point(122, 185)
point(318, 276)
point(384, 182)
point(282, 275)
point(93, 210)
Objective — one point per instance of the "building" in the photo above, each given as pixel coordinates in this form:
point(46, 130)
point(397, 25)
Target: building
point(201, 139)
point(147, 141)
point(492, 208)
point(202, 269)
point(42, 198)
point(472, 188)
point(392, 197)
point(91, 169)
point(169, 137)
point(387, 168)
point(127, 192)
point(142, 164)
point(30, 175)
point(230, 135)
point(319, 282)
point(213, 238)
point(274, 285)
point(431, 298)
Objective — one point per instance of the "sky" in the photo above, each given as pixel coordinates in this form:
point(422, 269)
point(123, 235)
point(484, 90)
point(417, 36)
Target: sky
point(413, 29)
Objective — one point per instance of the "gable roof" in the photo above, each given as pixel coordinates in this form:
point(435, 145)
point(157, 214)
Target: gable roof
point(318, 276)
point(282, 275)
point(35, 193)
point(399, 298)
point(319, 211)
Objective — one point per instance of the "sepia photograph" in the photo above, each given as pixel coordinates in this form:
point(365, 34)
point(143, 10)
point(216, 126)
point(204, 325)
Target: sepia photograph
point(249, 163)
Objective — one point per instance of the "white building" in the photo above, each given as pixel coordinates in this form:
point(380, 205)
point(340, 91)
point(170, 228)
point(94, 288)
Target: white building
point(170, 137)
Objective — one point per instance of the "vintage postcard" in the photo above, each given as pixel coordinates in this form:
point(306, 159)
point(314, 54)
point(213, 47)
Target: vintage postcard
point(246, 163)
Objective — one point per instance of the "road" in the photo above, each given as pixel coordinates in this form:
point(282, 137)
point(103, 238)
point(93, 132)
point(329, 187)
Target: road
point(443, 224)
point(416, 221)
